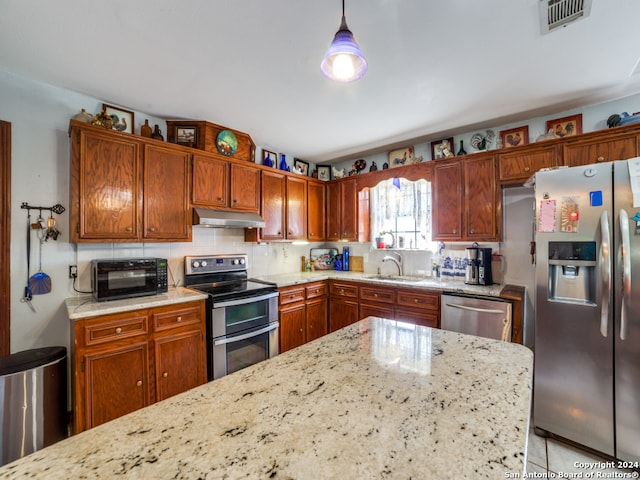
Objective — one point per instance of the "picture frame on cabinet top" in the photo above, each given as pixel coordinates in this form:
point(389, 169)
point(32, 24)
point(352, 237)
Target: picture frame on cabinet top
point(124, 121)
point(186, 135)
point(442, 149)
point(566, 126)
point(324, 172)
point(270, 157)
point(514, 137)
point(301, 167)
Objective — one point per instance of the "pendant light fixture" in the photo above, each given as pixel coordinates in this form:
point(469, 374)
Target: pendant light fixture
point(344, 61)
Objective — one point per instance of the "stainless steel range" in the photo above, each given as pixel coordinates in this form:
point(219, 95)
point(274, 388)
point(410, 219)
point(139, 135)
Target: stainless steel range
point(242, 313)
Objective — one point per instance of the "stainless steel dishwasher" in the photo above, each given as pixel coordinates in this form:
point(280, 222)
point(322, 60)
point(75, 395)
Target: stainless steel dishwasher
point(482, 316)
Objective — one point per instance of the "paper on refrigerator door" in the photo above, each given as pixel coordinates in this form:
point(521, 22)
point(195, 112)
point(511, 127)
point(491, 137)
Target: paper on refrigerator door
point(634, 178)
point(547, 218)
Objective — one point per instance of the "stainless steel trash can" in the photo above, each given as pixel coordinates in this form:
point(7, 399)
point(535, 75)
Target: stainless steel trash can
point(33, 401)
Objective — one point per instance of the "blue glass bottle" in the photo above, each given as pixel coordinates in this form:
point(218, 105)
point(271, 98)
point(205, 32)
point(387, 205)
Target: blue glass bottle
point(283, 162)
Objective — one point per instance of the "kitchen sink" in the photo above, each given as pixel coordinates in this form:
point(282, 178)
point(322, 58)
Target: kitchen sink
point(396, 278)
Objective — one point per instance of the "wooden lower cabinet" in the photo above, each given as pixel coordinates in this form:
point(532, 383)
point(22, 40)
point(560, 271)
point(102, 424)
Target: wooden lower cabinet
point(343, 304)
point(125, 361)
point(303, 314)
point(410, 305)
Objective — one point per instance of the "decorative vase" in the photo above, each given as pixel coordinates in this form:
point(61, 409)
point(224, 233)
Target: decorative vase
point(157, 133)
point(145, 130)
point(462, 151)
point(283, 162)
point(83, 116)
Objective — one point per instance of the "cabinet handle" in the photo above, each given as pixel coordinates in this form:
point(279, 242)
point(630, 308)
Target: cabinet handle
point(139, 383)
point(129, 229)
point(165, 374)
point(600, 159)
point(300, 330)
point(317, 291)
point(118, 330)
point(527, 169)
point(235, 200)
point(220, 199)
point(415, 300)
point(375, 295)
point(279, 232)
point(455, 231)
point(152, 229)
point(342, 291)
point(473, 231)
point(179, 319)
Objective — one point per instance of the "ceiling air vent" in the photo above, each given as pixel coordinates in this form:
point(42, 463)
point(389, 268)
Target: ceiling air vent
point(560, 13)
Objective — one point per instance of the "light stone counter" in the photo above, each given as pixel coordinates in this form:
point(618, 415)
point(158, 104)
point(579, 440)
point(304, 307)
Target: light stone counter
point(377, 399)
point(289, 279)
point(84, 306)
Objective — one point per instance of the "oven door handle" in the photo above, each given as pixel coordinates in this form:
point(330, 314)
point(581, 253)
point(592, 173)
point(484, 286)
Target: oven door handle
point(243, 301)
point(238, 338)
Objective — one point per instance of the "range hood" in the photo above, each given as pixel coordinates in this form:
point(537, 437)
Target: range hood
point(223, 219)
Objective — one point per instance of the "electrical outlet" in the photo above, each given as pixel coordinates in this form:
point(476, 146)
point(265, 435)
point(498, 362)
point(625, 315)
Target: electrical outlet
point(73, 271)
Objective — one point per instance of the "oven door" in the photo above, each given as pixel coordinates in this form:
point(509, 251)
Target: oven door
point(235, 352)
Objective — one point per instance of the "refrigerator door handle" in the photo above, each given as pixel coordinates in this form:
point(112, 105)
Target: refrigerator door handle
point(605, 271)
point(626, 271)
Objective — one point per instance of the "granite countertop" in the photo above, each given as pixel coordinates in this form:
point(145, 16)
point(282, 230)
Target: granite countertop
point(85, 305)
point(377, 399)
point(289, 279)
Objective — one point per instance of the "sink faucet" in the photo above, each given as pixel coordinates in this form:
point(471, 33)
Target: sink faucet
point(397, 260)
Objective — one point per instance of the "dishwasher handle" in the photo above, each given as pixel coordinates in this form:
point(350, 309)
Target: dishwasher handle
point(475, 309)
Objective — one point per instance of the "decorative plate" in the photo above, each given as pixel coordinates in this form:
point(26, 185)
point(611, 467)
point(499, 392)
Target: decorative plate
point(227, 143)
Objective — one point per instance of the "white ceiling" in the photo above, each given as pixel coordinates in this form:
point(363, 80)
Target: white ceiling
point(436, 68)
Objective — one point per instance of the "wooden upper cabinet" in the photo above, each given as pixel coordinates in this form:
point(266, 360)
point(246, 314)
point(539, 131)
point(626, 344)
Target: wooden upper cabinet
point(466, 200)
point(516, 167)
point(245, 188)
point(447, 200)
point(166, 194)
point(342, 210)
point(105, 186)
point(316, 212)
point(586, 152)
point(273, 205)
point(296, 208)
point(210, 184)
point(481, 199)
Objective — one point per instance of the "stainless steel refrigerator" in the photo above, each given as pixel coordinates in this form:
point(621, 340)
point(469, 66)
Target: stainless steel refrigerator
point(587, 328)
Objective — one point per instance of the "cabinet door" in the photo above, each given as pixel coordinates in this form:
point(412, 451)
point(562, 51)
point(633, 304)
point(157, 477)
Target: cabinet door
point(342, 313)
point(166, 194)
point(349, 210)
point(245, 188)
point(317, 325)
point(296, 208)
point(373, 310)
point(417, 317)
point(273, 205)
point(333, 211)
point(180, 363)
point(116, 382)
point(210, 184)
point(447, 200)
point(105, 187)
point(292, 326)
point(578, 153)
point(481, 200)
point(516, 168)
point(316, 212)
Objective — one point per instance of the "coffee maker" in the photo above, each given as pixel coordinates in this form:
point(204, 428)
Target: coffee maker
point(478, 266)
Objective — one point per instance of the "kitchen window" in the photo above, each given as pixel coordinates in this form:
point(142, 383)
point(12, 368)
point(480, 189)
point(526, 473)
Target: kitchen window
point(401, 214)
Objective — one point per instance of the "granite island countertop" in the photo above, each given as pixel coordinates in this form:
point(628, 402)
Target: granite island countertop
point(377, 399)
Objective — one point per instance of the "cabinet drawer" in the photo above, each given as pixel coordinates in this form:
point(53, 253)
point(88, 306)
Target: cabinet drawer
point(176, 318)
point(411, 298)
point(317, 289)
point(424, 318)
point(384, 295)
point(291, 295)
point(100, 331)
point(344, 290)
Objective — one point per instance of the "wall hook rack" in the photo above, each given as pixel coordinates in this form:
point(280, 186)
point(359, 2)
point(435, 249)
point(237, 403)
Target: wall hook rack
point(57, 208)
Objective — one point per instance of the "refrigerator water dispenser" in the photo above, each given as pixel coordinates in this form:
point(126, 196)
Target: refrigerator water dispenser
point(572, 272)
